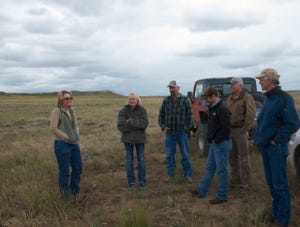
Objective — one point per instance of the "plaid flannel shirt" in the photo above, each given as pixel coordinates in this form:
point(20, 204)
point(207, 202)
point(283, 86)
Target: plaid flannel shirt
point(175, 114)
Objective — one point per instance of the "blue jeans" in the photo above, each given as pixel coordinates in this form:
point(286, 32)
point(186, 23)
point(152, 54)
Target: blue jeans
point(182, 140)
point(217, 162)
point(68, 155)
point(141, 163)
point(275, 167)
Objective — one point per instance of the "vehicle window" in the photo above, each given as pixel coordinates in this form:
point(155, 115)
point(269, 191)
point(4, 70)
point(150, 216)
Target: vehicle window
point(226, 90)
point(198, 90)
point(223, 89)
point(219, 87)
point(248, 87)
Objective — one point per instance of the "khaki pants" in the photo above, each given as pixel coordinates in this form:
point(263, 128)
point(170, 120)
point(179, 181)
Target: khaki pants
point(239, 158)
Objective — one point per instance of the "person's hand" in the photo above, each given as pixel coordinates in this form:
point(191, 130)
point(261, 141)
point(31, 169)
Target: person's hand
point(166, 129)
point(273, 142)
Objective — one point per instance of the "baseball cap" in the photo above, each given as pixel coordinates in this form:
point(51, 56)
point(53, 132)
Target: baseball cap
point(236, 80)
point(270, 73)
point(172, 84)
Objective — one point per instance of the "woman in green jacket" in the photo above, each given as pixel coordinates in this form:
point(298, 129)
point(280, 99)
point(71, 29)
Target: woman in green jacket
point(132, 123)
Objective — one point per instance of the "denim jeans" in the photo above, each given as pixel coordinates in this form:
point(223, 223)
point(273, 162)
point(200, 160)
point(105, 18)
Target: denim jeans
point(68, 155)
point(275, 167)
point(141, 163)
point(182, 140)
point(217, 162)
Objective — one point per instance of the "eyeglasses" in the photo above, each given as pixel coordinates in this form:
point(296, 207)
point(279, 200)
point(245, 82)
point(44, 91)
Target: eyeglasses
point(264, 78)
point(68, 98)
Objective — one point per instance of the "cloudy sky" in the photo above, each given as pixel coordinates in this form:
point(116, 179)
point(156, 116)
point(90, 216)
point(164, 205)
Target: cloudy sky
point(140, 45)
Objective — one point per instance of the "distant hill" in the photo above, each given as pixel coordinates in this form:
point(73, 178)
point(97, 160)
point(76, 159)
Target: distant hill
point(98, 93)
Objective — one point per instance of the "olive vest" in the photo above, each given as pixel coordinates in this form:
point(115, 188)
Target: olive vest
point(68, 125)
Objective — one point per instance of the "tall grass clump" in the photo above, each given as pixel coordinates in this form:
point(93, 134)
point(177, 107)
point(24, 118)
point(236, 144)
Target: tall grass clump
point(135, 215)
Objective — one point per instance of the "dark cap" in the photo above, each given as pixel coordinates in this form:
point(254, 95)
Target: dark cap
point(172, 84)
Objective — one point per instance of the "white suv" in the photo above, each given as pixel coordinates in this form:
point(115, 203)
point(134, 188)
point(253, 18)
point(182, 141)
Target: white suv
point(294, 153)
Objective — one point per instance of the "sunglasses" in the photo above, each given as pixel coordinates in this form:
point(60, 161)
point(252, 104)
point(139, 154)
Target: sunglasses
point(68, 98)
point(265, 78)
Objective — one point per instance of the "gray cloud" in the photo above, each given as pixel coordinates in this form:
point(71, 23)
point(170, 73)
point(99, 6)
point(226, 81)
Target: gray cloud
point(134, 45)
point(37, 11)
point(215, 20)
point(87, 7)
point(209, 51)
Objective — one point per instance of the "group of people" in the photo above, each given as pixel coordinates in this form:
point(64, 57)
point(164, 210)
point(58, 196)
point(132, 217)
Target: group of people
point(228, 125)
point(277, 120)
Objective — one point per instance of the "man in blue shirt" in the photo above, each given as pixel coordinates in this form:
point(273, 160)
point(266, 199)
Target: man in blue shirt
point(276, 122)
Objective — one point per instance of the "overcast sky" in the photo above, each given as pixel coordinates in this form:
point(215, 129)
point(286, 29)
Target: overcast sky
point(140, 45)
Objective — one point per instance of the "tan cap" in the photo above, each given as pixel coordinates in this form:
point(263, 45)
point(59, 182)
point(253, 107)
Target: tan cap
point(272, 74)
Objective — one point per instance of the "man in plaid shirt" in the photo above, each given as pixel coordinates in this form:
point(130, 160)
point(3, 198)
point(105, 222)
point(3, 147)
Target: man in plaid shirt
point(175, 118)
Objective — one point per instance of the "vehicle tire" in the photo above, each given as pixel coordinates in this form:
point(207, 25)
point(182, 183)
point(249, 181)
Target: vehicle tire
point(298, 171)
point(201, 140)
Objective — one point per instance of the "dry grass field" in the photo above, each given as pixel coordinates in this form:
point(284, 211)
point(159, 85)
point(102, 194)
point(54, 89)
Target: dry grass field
point(28, 173)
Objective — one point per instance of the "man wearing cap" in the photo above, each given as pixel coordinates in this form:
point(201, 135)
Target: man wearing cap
point(175, 118)
point(243, 111)
point(276, 122)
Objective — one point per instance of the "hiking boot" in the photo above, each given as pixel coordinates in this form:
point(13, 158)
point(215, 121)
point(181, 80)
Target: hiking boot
point(130, 187)
point(196, 193)
point(142, 185)
point(217, 201)
point(168, 179)
point(189, 179)
point(244, 187)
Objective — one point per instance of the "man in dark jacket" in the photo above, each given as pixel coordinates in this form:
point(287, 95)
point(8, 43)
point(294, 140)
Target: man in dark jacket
point(218, 135)
point(276, 122)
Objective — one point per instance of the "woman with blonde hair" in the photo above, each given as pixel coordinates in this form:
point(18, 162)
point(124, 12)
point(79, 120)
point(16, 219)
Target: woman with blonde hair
point(63, 124)
point(132, 123)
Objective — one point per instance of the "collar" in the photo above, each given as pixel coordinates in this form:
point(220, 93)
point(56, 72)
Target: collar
point(241, 95)
point(215, 103)
point(273, 91)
